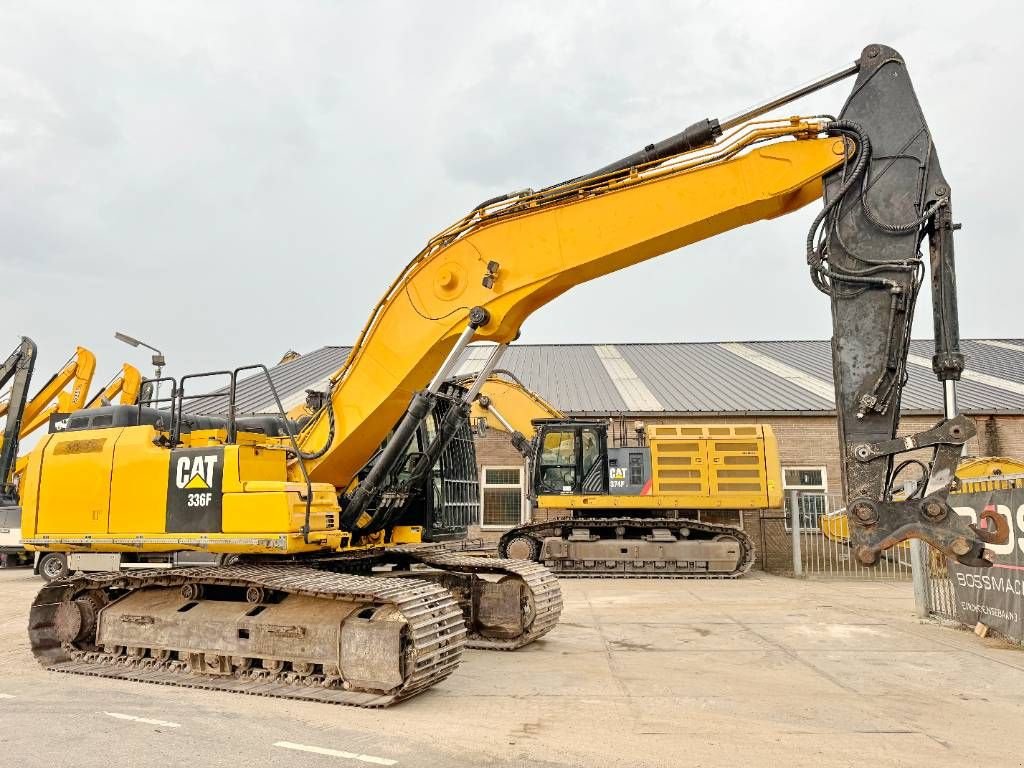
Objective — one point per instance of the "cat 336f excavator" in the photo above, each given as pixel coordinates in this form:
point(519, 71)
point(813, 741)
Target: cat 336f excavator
point(310, 508)
point(631, 510)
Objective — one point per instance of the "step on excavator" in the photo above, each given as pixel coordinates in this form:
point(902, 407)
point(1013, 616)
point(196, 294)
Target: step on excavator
point(632, 510)
point(383, 475)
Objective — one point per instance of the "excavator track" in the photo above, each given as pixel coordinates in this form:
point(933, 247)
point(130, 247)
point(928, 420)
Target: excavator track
point(533, 535)
point(419, 640)
point(538, 604)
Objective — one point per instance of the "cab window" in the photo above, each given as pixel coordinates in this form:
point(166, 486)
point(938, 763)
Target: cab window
point(557, 465)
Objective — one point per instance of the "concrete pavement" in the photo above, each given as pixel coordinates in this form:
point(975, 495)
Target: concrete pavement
point(763, 671)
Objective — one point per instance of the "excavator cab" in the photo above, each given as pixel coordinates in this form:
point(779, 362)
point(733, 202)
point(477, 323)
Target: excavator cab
point(571, 457)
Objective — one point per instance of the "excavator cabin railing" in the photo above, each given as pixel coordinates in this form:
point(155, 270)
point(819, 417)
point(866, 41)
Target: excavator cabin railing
point(181, 420)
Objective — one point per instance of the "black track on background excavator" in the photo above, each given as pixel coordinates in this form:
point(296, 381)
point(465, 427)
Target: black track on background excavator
point(629, 547)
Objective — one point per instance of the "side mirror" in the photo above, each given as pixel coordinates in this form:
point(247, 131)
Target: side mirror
point(480, 426)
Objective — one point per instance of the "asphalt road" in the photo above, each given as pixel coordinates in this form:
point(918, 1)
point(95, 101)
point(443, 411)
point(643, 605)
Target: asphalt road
point(763, 671)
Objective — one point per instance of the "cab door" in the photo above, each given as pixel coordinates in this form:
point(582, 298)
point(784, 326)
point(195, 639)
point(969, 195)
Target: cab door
point(572, 460)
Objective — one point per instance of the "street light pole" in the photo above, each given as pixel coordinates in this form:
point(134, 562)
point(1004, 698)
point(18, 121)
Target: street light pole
point(158, 357)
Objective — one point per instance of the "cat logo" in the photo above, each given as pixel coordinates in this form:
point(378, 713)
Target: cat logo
point(194, 490)
point(195, 472)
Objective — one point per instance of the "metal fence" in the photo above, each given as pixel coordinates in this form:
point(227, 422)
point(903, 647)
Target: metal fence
point(939, 588)
point(810, 538)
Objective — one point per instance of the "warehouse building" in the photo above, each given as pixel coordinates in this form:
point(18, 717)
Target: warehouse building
point(785, 384)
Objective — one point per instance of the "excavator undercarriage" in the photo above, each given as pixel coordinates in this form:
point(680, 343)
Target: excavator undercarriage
point(294, 631)
point(633, 547)
point(267, 630)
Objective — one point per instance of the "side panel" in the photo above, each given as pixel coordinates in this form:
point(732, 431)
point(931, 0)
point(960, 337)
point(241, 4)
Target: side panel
point(74, 493)
point(772, 468)
point(138, 484)
point(629, 471)
point(679, 463)
point(195, 489)
point(737, 468)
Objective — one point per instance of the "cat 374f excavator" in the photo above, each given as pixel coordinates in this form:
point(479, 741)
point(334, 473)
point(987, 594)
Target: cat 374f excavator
point(310, 509)
point(632, 510)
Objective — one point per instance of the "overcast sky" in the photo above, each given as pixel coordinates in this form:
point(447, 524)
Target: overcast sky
point(230, 180)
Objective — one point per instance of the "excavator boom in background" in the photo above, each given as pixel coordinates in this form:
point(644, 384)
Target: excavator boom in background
point(16, 371)
point(64, 392)
point(126, 386)
point(383, 476)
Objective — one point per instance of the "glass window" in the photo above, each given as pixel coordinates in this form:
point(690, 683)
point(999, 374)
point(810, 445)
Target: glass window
point(504, 476)
point(636, 468)
point(559, 448)
point(800, 477)
point(806, 488)
point(501, 497)
point(591, 449)
point(557, 466)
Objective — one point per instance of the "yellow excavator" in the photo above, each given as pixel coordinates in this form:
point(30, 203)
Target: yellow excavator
point(66, 391)
point(383, 475)
point(632, 510)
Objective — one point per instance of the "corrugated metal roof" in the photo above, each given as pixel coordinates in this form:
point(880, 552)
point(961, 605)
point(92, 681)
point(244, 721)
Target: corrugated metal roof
point(703, 377)
point(252, 394)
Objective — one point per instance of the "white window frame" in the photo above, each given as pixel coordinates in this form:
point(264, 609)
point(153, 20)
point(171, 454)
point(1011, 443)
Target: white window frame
point(520, 486)
point(787, 488)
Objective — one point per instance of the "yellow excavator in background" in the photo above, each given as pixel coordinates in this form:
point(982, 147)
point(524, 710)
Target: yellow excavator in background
point(632, 510)
point(836, 525)
point(66, 391)
point(383, 476)
point(126, 386)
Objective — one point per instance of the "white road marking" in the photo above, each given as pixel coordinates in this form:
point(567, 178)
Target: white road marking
point(335, 753)
point(6, 696)
point(146, 720)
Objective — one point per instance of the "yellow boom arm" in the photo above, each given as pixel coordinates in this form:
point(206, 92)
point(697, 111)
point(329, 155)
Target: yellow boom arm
point(515, 256)
point(127, 383)
point(506, 405)
point(66, 391)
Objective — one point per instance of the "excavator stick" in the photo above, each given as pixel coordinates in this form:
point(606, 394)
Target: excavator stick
point(16, 370)
point(863, 251)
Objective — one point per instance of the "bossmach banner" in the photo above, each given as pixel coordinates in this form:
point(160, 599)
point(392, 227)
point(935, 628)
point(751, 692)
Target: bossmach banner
point(993, 596)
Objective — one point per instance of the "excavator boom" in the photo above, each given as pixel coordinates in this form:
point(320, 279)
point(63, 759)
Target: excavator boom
point(495, 267)
point(127, 384)
point(66, 391)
